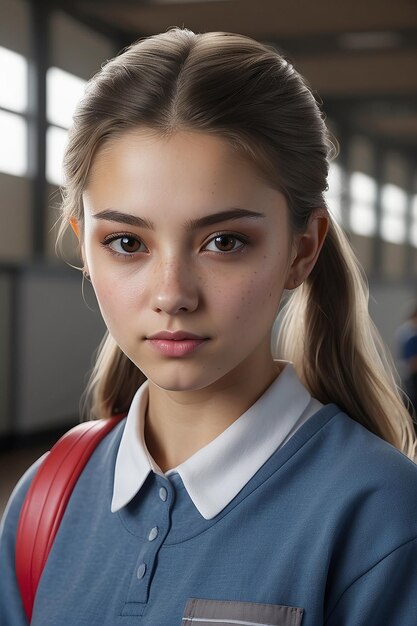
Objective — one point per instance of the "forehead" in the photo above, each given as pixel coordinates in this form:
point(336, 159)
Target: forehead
point(185, 172)
point(207, 154)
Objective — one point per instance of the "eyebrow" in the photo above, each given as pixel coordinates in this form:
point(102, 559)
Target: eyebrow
point(190, 224)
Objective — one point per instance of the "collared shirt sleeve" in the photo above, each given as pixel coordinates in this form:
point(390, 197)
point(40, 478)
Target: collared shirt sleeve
point(386, 593)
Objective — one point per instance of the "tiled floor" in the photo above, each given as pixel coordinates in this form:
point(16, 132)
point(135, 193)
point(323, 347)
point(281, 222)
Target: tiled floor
point(13, 465)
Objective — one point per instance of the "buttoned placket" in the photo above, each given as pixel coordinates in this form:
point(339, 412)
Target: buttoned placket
point(141, 579)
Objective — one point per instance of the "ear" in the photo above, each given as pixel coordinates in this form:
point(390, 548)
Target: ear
point(306, 248)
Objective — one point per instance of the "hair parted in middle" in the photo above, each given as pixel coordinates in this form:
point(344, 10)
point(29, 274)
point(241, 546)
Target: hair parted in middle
point(247, 93)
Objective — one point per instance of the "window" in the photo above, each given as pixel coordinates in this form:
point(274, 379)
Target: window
point(63, 91)
point(362, 210)
point(333, 195)
point(13, 144)
point(14, 74)
point(13, 107)
point(394, 207)
point(56, 141)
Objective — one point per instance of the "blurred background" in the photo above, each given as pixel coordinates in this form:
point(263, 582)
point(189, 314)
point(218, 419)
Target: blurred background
point(359, 57)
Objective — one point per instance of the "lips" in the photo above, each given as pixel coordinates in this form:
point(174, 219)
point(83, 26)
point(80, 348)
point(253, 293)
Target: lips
point(175, 344)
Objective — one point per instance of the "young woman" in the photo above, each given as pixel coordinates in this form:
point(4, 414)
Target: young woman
point(255, 481)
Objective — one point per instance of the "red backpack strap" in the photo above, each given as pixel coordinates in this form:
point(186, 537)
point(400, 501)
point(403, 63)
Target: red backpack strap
point(46, 501)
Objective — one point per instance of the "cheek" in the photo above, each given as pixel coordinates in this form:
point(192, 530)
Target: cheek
point(117, 296)
point(264, 294)
point(252, 298)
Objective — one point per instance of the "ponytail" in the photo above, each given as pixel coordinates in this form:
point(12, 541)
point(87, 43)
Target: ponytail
point(327, 332)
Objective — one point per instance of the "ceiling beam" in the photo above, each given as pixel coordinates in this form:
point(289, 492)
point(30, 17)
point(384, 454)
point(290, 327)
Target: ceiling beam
point(361, 74)
point(285, 18)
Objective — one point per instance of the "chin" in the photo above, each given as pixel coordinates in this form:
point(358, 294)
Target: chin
point(179, 379)
point(177, 385)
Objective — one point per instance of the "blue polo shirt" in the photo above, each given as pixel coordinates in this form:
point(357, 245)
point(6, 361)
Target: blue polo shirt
point(324, 532)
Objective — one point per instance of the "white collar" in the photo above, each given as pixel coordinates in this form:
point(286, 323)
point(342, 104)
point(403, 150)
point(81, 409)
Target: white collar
point(216, 473)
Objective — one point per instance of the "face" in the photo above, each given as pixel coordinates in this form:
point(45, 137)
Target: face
point(182, 234)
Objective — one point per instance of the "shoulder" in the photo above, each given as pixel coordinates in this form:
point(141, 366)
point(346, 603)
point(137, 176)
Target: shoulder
point(373, 489)
point(11, 608)
point(361, 461)
point(364, 488)
point(364, 506)
point(368, 451)
point(14, 505)
point(374, 518)
point(100, 457)
point(11, 514)
point(350, 484)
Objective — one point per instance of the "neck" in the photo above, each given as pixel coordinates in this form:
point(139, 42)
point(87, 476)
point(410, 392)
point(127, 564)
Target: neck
point(178, 424)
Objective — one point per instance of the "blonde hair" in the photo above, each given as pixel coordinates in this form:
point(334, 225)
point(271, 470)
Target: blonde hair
point(336, 348)
point(244, 91)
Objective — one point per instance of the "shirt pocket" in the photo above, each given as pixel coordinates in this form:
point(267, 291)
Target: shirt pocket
point(200, 612)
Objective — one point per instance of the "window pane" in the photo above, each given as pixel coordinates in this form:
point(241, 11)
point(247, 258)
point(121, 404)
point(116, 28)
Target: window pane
point(362, 210)
point(393, 228)
point(362, 219)
point(394, 204)
point(13, 144)
point(14, 80)
point(393, 199)
point(56, 140)
point(334, 193)
point(63, 91)
point(362, 188)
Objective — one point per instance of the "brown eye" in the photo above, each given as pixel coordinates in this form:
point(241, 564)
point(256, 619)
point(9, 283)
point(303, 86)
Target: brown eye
point(125, 245)
point(129, 244)
point(225, 242)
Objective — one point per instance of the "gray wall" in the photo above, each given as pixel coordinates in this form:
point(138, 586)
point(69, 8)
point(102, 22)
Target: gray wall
point(389, 305)
point(5, 350)
point(54, 334)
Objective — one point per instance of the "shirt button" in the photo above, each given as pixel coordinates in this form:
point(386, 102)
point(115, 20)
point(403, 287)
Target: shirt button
point(163, 494)
point(153, 533)
point(141, 571)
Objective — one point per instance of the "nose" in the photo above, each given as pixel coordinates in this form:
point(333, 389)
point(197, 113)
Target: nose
point(175, 288)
